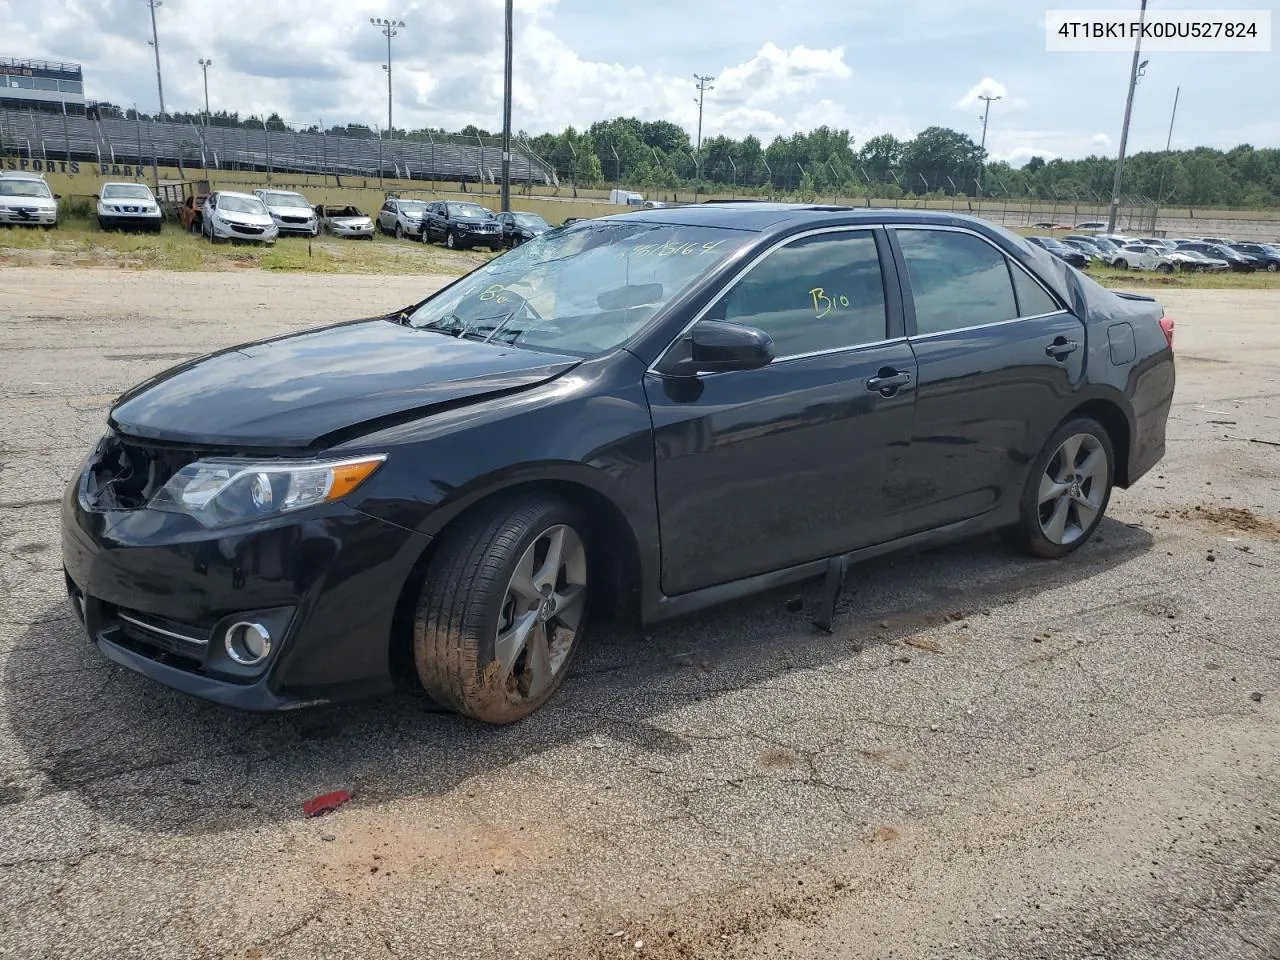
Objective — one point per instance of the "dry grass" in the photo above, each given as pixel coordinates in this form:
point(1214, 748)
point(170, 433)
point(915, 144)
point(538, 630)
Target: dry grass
point(80, 243)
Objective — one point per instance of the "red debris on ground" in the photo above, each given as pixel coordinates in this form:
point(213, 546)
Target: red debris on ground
point(325, 803)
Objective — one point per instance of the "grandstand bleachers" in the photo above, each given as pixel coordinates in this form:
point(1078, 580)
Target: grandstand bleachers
point(52, 136)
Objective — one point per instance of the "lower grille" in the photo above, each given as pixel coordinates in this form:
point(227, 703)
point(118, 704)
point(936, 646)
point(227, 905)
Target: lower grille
point(293, 219)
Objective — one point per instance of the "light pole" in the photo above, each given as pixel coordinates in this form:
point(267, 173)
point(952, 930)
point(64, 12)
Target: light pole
point(703, 83)
point(986, 115)
point(389, 29)
point(1114, 209)
point(506, 116)
point(1164, 163)
point(204, 66)
point(155, 42)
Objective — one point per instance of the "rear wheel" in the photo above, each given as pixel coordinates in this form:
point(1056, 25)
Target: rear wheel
point(1121, 263)
point(502, 609)
point(1165, 268)
point(1272, 267)
point(451, 241)
point(1067, 490)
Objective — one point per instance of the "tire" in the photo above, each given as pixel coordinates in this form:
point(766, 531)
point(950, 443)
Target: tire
point(1035, 532)
point(470, 599)
point(399, 231)
point(1272, 267)
point(1121, 263)
point(450, 240)
point(1165, 268)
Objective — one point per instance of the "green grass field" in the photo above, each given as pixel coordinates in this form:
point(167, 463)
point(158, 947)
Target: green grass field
point(79, 243)
point(1109, 277)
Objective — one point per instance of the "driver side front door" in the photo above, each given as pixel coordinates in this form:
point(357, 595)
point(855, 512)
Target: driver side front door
point(763, 469)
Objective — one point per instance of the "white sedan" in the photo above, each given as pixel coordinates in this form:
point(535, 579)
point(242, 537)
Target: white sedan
point(345, 222)
point(237, 216)
point(1144, 256)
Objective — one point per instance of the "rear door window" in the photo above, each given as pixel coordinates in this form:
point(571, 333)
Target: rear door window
point(958, 280)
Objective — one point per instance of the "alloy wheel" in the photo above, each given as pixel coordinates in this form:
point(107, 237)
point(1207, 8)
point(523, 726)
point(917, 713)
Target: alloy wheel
point(399, 232)
point(541, 613)
point(1072, 489)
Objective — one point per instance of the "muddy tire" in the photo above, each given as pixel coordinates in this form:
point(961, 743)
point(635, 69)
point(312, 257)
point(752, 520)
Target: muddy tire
point(503, 608)
point(1067, 491)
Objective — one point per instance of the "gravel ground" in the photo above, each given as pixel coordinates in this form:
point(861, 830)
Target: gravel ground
point(990, 758)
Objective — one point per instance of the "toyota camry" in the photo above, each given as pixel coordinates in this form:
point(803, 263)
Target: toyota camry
point(638, 415)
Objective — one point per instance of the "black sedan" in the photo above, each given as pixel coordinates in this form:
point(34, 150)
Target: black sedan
point(518, 228)
point(1239, 263)
point(1265, 255)
point(644, 414)
point(1075, 257)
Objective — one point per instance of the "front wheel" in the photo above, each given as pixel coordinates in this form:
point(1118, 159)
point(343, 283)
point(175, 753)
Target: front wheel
point(1067, 490)
point(502, 609)
point(1165, 268)
point(1121, 263)
point(399, 232)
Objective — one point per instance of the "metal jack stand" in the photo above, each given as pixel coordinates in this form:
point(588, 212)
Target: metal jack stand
point(831, 587)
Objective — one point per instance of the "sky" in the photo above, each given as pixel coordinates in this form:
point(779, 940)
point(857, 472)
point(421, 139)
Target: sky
point(871, 66)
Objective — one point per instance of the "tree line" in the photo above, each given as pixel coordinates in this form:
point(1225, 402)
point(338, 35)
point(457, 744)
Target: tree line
point(937, 162)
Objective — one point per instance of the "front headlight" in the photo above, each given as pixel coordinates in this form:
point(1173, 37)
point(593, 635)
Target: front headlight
point(223, 492)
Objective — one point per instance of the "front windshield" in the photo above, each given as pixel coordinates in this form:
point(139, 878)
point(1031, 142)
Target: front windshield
point(1104, 244)
point(279, 199)
point(530, 220)
point(473, 210)
point(578, 291)
point(125, 191)
point(241, 205)
point(24, 188)
point(414, 208)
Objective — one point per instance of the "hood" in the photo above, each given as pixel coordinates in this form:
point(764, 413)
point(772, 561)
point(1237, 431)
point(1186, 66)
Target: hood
point(252, 219)
point(295, 390)
point(473, 221)
point(352, 221)
point(34, 203)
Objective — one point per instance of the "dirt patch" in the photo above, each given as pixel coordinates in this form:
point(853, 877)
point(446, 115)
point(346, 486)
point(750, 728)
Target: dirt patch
point(1237, 519)
point(776, 758)
point(362, 858)
point(923, 643)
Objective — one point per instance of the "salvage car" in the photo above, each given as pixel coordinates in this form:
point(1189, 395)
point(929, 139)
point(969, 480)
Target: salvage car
point(345, 222)
point(644, 414)
point(128, 206)
point(402, 218)
point(460, 226)
point(1077, 258)
point(26, 200)
point(1237, 262)
point(228, 215)
point(1267, 255)
point(518, 228)
point(291, 212)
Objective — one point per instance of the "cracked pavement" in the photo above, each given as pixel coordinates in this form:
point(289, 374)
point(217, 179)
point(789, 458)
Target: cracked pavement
point(992, 757)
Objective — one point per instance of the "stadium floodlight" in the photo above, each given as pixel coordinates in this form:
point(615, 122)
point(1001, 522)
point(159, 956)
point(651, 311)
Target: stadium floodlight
point(1135, 70)
point(155, 42)
point(506, 112)
point(204, 66)
point(389, 29)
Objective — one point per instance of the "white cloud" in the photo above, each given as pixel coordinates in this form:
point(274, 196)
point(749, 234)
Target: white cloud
point(984, 88)
point(1019, 156)
point(1100, 140)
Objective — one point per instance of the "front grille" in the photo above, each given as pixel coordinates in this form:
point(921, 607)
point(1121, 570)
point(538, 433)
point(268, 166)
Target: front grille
point(293, 219)
point(130, 209)
point(244, 228)
point(174, 637)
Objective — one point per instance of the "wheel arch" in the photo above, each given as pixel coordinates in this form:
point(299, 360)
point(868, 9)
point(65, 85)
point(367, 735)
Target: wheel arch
point(1118, 424)
point(612, 542)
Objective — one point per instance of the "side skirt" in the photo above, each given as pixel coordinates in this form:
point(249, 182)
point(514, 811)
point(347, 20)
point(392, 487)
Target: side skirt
point(685, 603)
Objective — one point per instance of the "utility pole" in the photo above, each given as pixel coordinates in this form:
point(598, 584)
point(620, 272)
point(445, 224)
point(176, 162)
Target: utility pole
point(703, 83)
point(1114, 210)
point(155, 42)
point(204, 66)
point(1164, 164)
point(986, 115)
point(389, 29)
point(506, 115)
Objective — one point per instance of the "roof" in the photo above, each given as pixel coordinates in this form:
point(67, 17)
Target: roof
point(760, 217)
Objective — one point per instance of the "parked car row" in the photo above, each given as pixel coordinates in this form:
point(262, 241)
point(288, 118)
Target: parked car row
point(458, 224)
point(1203, 254)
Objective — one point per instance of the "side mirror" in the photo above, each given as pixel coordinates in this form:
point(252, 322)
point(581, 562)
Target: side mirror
point(715, 346)
point(95, 196)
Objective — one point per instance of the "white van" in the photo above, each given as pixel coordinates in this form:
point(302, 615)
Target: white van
point(628, 197)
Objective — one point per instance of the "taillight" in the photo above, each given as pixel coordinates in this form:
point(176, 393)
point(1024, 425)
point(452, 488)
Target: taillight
point(1166, 324)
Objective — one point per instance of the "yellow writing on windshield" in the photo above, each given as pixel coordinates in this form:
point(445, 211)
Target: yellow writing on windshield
point(671, 248)
point(496, 292)
point(823, 303)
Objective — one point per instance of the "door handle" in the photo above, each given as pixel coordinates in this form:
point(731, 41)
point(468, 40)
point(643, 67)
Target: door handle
point(1061, 348)
point(887, 381)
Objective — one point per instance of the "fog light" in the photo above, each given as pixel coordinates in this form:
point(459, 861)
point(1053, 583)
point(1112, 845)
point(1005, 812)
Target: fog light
point(248, 644)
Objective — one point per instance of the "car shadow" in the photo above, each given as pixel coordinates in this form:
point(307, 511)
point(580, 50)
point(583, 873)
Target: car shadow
point(159, 761)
